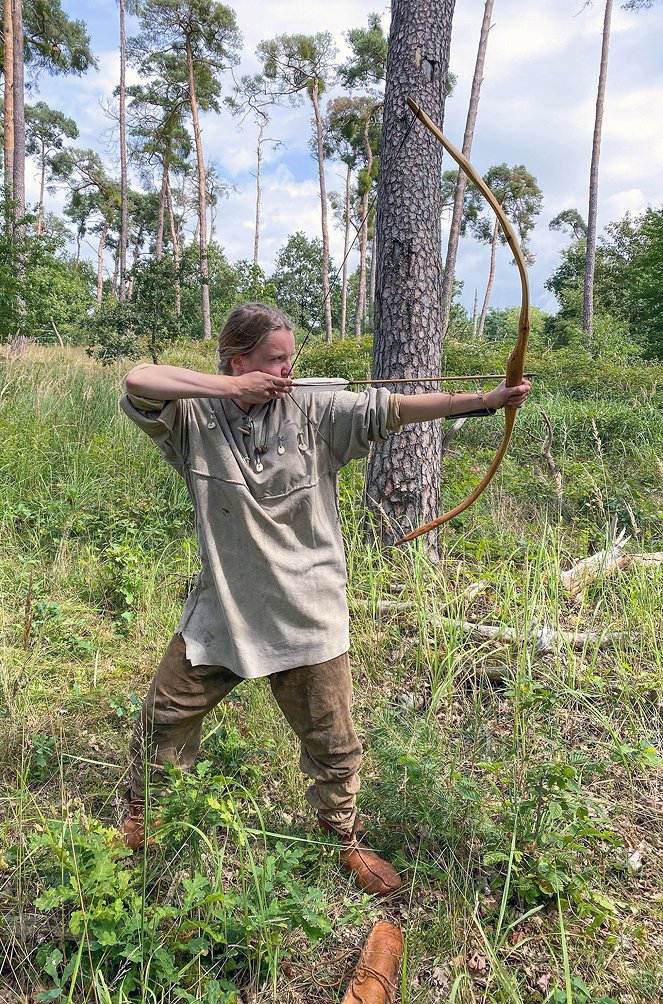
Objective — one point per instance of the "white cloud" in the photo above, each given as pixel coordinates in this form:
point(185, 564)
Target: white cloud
point(536, 107)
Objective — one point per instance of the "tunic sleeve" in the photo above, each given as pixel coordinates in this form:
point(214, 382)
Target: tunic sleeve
point(165, 422)
point(357, 420)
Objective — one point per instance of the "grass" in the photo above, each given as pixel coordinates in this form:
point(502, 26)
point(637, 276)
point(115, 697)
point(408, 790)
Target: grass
point(518, 792)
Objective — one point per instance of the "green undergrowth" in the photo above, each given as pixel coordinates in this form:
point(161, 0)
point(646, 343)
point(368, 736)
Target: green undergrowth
point(512, 780)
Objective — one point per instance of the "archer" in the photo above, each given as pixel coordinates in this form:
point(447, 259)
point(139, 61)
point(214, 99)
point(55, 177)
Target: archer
point(261, 459)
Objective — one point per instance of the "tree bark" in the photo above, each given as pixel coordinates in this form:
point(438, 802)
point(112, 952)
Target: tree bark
point(175, 238)
point(360, 314)
point(124, 204)
point(19, 110)
point(346, 245)
point(461, 183)
point(590, 259)
point(323, 210)
point(202, 201)
point(8, 123)
point(161, 212)
point(404, 473)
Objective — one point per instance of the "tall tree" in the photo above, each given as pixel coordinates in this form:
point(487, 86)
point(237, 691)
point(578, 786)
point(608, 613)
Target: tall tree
point(404, 473)
point(46, 129)
point(520, 197)
point(250, 98)
point(461, 182)
point(158, 135)
point(8, 123)
point(294, 65)
point(206, 33)
point(346, 132)
point(89, 185)
point(124, 181)
point(592, 212)
point(40, 35)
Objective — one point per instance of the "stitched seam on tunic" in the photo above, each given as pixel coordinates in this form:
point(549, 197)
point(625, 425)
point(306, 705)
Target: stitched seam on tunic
point(282, 495)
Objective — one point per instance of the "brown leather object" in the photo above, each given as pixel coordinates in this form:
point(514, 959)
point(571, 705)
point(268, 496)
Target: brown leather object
point(376, 978)
point(133, 830)
point(371, 872)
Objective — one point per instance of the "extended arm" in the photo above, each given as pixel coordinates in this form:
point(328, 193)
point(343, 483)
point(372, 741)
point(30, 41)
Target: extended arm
point(173, 383)
point(426, 407)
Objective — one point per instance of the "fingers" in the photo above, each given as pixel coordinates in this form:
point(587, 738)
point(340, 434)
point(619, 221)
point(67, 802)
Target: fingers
point(518, 395)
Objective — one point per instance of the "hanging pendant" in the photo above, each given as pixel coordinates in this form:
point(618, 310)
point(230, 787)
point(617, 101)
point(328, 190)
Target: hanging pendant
point(301, 442)
point(280, 448)
point(259, 466)
point(211, 424)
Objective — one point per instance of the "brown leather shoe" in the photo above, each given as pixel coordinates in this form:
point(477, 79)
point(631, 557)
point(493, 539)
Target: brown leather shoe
point(371, 872)
point(133, 829)
point(375, 980)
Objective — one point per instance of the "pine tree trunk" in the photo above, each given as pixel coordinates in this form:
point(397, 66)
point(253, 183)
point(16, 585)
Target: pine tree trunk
point(162, 212)
point(461, 183)
point(100, 262)
point(19, 110)
point(8, 122)
point(403, 486)
point(371, 292)
point(256, 237)
point(363, 243)
point(323, 210)
point(590, 260)
point(202, 201)
point(360, 306)
point(346, 245)
point(124, 205)
point(491, 276)
point(42, 186)
point(174, 236)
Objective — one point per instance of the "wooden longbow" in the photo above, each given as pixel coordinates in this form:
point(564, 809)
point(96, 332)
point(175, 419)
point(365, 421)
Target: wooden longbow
point(516, 362)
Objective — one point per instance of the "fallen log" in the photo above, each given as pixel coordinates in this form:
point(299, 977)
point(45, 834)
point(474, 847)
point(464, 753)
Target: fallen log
point(546, 639)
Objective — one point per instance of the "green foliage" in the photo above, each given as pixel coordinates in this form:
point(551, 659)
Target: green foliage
point(502, 326)
point(535, 829)
point(297, 282)
point(627, 291)
point(43, 292)
point(54, 42)
point(138, 938)
point(347, 357)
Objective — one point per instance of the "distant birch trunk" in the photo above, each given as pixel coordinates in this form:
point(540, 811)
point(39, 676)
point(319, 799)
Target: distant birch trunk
point(461, 183)
point(590, 259)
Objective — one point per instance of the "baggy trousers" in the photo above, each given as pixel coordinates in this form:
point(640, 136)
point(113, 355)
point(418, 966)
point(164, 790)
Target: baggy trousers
point(315, 700)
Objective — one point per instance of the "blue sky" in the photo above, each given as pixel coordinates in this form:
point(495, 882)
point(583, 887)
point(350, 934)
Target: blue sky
point(537, 109)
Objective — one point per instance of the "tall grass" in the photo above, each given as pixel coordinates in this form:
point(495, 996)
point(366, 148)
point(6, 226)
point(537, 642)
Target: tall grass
point(511, 787)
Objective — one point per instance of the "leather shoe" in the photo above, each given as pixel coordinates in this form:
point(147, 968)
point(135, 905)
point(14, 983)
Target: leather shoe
point(133, 829)
point(375, 980)
point(370, 872)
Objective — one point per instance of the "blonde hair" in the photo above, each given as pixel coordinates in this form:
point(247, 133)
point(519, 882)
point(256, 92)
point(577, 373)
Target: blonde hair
point(246, 328)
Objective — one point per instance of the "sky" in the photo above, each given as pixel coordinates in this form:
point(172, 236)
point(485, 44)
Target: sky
point(536, 108)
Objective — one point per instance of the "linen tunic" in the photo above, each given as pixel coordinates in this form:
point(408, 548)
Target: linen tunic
point(270, 595)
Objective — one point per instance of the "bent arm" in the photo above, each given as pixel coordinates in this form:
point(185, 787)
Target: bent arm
point(173, 383)
point(427, 407)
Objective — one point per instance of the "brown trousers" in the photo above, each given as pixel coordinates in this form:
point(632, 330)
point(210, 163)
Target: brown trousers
point(315, 700)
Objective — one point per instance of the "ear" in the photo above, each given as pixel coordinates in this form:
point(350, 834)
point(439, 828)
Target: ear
point(237, 365)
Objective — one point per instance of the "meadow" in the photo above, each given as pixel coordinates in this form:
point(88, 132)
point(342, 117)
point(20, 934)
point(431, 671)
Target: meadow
point(514, 780)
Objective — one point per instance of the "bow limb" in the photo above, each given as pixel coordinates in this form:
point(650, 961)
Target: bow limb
point(516, 363)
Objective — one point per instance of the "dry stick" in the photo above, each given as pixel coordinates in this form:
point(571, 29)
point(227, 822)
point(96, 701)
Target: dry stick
point(547, 639)
point(546, 453)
